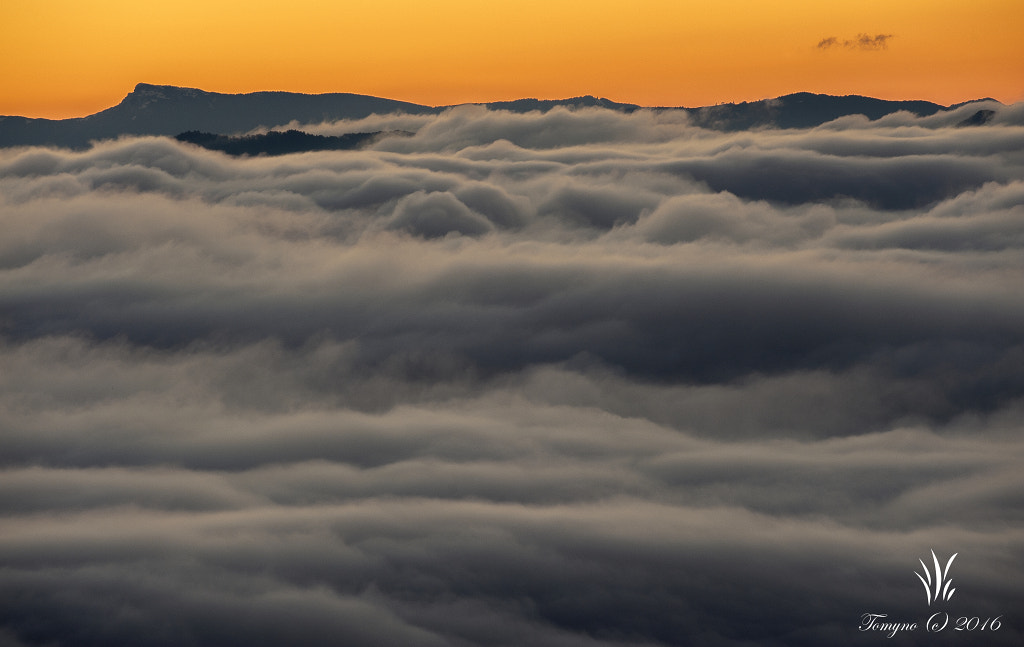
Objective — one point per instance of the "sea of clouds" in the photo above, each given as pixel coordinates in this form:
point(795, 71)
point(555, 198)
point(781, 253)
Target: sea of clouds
point(577, 378)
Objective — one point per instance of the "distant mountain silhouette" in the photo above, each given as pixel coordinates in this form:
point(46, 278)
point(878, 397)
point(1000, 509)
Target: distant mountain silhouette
point(280, 143)
point(802, 110)
point(543, 105)
point(169, 110)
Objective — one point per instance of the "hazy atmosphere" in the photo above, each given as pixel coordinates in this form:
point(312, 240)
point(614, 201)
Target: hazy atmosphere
point(565, 378)
point(67, 58)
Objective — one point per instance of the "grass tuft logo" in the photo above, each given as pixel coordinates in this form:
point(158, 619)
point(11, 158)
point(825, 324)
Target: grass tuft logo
point(938, 587)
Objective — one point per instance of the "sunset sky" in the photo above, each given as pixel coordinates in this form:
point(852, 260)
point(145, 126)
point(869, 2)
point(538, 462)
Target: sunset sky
point(68, 58)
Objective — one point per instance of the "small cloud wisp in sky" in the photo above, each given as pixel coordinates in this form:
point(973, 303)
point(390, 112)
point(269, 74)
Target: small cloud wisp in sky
point(862, 42)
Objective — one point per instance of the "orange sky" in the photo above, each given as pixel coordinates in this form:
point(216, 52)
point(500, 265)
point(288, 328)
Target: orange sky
point(64, 58)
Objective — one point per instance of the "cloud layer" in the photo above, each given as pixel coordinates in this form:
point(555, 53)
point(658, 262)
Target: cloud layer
point(572, 378)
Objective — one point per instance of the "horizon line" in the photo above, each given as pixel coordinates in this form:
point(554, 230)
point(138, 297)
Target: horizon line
point(137, 85)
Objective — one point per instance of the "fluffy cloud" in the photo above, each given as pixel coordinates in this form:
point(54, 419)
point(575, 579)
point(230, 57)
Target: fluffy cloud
point(572, 378)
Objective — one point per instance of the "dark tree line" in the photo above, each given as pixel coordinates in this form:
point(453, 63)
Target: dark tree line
point(277, 142)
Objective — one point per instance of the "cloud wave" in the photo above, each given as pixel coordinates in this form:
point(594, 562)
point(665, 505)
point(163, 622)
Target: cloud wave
point(571, 378)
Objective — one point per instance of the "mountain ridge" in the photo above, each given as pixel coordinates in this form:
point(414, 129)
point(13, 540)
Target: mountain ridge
point(170, 110)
